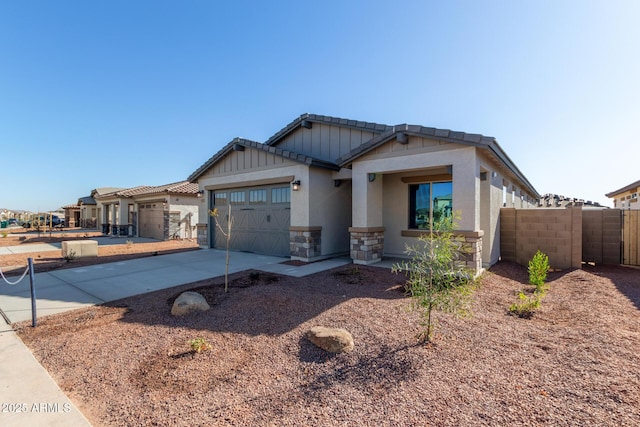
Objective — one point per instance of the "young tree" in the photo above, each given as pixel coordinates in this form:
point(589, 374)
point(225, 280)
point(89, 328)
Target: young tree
point(227, 234)
point(438, 276)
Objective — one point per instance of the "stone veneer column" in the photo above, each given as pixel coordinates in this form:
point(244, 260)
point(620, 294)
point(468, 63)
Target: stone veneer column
point(473, 249)
point(202, 235)
point(305, 242)
point(367, 244)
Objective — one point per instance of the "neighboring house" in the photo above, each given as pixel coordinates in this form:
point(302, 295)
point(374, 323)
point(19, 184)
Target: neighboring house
point(325, 186)
point(72, 215)
point(89, 210)
point(556, 201)
point(162, 212)
point(626, 197)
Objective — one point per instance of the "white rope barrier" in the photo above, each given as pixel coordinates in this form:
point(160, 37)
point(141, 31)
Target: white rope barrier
point(17, 281)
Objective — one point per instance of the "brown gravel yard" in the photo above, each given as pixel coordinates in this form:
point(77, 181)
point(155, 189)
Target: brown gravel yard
point(575, 363)
point(15, 264)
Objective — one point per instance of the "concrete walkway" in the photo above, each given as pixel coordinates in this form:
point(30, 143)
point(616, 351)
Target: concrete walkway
point(46, 247)
point(28, 394)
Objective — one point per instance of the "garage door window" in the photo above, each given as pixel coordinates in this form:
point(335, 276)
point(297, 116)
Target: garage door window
point(237, 197)
point(280, 195)
point(220, 199)
point(257, 197)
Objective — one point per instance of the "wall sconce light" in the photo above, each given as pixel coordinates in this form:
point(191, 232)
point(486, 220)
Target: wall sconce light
point(337, 182)
point(295, 185)
point(117, 204)
point(164, 202)
point(372, 177)
point(200, 193)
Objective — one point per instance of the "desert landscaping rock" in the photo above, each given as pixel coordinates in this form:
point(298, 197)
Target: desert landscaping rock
point(189, 302)
point(575, 363)
point(333, 340)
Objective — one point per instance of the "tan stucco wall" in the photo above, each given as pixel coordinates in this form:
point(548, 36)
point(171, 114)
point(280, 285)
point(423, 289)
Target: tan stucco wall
point(465, 171)
point(330, 208)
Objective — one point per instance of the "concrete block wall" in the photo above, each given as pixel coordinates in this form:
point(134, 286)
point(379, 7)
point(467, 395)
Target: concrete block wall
point(556, 232)
point(611, 235)
point(601, 234)
point(569, 236)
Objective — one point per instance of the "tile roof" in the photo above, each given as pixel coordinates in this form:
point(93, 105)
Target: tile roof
point(182, 187)
point(287, 154)
point(484, 142)
point(355, 124)
point(88, 200)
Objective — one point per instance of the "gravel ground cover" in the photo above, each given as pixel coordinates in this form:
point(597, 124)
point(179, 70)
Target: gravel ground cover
point(574, 363)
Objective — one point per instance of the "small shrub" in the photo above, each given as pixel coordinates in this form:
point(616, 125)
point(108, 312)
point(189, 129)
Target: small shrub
point(129, 243)
point(538, 269)
point(4, 234)
point(199, 345)
point(438, 276)
point(527, 306)
point(70, 256)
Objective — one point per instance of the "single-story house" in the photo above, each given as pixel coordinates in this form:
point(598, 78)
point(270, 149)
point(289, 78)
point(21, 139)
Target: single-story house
point(326, 186)
point(72, 215)
point(89, 209)
point(626, 197)
point(160, 212)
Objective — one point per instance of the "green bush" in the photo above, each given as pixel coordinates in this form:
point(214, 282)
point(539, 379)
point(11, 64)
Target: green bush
point(538, 269)
point(438, 276)
point(527, 306)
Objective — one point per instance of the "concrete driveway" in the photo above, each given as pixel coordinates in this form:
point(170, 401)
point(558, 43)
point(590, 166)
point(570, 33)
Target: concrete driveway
point(67, 289)
point(27, 384)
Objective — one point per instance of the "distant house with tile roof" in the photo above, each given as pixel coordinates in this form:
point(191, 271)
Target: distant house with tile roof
point(161, 212)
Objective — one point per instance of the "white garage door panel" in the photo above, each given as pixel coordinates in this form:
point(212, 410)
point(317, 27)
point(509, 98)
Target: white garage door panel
point(151, 221)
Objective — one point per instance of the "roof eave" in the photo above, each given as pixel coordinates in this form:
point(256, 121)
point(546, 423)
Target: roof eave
point(624, 189)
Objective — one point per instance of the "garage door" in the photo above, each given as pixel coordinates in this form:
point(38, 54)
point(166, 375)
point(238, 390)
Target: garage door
point(261, 218)
point(151, 220)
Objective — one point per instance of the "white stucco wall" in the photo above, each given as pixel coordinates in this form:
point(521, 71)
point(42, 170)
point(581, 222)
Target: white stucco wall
point(189, 208)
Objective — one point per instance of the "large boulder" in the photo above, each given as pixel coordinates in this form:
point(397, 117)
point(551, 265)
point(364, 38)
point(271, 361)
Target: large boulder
point(188, 302)
point(333, 340)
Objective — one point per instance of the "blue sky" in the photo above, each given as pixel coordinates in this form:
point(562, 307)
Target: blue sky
point(127, 93)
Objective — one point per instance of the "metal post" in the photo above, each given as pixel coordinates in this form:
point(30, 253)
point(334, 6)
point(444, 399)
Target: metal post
point(33, 293)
